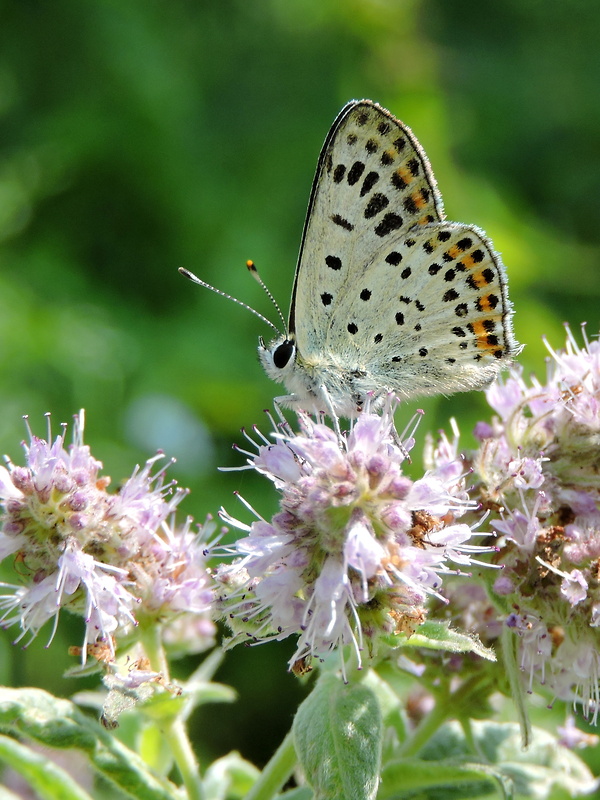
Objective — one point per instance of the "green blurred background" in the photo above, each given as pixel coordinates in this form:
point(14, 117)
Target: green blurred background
point(139, 136)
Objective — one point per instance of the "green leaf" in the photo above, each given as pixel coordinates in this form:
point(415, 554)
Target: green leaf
point(200, 692)
point(409, 777)
point(437, 635)
point(230, 777)
point(36, 715)
point(543, 770)
point(299, 793)
point(151, 746)
point(163, 706)
point(46, 778)
point(338, 736)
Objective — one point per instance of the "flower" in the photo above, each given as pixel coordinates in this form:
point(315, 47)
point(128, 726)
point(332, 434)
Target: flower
point(537, 469)
point(112, 558)
point(174, 588)
point(573, 738)
point(356, 548)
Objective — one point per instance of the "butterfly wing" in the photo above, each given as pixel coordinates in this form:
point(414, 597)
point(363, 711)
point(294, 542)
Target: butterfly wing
point(384, 288)
point(439, 320)
point(372, 180)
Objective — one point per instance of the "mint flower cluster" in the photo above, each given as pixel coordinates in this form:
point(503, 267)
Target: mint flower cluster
point(114, 559)
point(539, 461)
point(357, 547)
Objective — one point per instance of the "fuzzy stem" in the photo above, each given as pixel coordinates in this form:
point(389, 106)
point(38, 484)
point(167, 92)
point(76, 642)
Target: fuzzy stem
point(152, 644)
point(510, 650)
point(173, 728)
point(276, 772)
point(177, 738)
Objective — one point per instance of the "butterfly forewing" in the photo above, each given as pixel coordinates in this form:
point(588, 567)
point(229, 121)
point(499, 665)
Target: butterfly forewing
point(373, 182)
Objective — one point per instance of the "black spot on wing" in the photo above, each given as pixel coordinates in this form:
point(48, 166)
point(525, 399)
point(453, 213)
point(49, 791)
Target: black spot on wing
point(369, 182)
point(338, 173)
point(486, 303)
point(390, 222)
point(376, 205)
point(398, 181)
point(355, 171)
point(342, 222)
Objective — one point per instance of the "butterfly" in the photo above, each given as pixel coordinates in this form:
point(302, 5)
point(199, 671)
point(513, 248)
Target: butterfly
point(387, 295)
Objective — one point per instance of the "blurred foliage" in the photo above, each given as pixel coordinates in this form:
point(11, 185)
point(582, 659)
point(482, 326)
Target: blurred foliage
point(142, 135)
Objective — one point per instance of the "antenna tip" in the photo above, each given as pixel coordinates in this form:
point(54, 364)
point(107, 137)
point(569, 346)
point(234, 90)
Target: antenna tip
point(251, 265)
point(186, 273)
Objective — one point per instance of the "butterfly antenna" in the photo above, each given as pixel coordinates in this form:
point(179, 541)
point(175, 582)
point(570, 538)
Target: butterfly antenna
point(190, 275)
point(254, 272)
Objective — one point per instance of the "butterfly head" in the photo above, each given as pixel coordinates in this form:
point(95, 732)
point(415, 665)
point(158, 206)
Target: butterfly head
point(278, 357)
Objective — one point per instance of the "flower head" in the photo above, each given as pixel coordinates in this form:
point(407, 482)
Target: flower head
point(112, 558)
point(538, 468)
point(356, 548)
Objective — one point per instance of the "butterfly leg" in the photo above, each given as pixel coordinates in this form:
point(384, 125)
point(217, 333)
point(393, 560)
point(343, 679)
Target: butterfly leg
point(291, 401)
point(399, 445)
point(331, 410)
point(284, 425)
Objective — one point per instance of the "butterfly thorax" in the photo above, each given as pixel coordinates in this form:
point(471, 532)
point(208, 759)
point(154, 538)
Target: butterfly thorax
point(318, 383)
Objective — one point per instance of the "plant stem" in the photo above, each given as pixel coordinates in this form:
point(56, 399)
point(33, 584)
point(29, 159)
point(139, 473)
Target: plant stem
point(425, 729)
point(173, 728)
point(177, 739)
point(444, 709)
point(510, 648)
point(276, 772)
point(152, 643)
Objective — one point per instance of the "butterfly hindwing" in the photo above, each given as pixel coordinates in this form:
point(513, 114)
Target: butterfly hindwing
point(435, 322)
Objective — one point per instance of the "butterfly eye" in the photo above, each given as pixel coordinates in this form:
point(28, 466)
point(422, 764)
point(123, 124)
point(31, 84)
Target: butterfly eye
point(283, 353)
